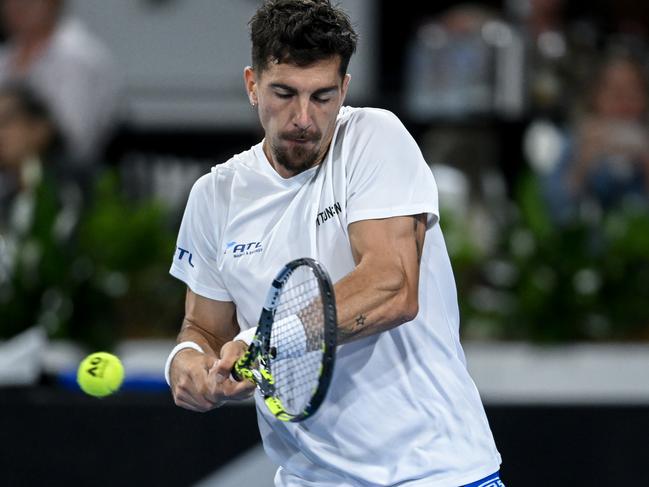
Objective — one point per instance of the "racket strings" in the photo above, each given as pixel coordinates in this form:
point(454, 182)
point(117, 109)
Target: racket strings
point(297, 339)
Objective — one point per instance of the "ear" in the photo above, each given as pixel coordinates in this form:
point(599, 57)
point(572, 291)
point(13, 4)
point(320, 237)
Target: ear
point(250, 80)
point(345, 86)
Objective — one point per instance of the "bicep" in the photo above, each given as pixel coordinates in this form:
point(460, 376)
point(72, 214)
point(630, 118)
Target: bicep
point(217, 320)
point(394, 241)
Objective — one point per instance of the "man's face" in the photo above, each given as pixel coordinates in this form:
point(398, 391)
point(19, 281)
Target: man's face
point(298, 107)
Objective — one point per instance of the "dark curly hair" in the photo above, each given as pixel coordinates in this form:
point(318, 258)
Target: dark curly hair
point(301, 32)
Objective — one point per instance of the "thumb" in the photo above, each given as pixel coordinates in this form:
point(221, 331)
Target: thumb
point(230, 353)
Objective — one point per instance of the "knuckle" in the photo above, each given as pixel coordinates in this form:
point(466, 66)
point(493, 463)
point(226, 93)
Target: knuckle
point(180, 403)
point(177, 391)
point(183, 404)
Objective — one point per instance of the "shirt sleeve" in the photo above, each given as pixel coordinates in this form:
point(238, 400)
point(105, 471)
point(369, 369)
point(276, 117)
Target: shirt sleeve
point(387, 174)
point(195, 260)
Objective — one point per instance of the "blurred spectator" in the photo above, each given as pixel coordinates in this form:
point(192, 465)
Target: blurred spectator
point(68, 66)
point(547, 52)
point(30, 151)
point(606, 158)
point(558, 54)
point(26, 131)
point(466, 61)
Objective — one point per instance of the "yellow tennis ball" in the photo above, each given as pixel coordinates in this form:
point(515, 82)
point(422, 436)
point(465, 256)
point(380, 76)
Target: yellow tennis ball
point(100, 374)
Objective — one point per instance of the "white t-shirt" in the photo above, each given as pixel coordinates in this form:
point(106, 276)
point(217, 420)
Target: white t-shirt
point(401, 407)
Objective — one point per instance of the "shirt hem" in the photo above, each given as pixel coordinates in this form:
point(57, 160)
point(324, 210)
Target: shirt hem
point(198, 288)
point(428, 481)
point(464, 479)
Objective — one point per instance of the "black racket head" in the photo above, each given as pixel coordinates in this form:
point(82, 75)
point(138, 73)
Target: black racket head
point(299, 354)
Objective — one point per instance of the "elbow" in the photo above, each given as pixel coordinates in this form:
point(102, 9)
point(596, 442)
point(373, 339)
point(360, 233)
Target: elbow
point(402, 288)
point(413, 309)
point(409, 308)
point(406, 304)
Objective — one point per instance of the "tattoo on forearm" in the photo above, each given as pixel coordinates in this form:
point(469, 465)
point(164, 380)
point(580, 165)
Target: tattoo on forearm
point(356, 327)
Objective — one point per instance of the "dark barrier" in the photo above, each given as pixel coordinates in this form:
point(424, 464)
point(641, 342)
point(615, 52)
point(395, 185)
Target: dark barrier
point(60, 438)
point(53, 437)
point(579, 445)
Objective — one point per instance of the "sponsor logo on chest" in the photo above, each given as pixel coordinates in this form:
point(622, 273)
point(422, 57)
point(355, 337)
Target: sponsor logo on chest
point(328, 213)
point(237, 249)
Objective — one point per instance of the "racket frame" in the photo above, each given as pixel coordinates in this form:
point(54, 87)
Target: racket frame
point(254, 365)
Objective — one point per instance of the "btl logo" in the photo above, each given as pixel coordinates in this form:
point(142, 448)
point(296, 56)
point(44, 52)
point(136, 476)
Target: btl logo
point(182, 254)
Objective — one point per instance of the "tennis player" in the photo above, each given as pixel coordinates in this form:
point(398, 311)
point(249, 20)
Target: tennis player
point(350, 188)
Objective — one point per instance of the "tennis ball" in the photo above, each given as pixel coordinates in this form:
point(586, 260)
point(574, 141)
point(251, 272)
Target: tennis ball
point(100, 374)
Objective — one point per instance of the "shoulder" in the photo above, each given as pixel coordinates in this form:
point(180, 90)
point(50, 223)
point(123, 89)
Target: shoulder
point(202, 192)
point(220, 177)
point(371, 127)
point(372, 132)
point(368, 118)
point(244, 159)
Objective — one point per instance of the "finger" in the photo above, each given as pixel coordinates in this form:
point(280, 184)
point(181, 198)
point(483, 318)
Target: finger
point(196, 392)
point(192, 403)
point(190, 406)
point(238, 390)
point(230, 353)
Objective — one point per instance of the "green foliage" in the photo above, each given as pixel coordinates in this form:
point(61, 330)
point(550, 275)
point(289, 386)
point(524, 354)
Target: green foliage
point(588, 280)
point(104, 281)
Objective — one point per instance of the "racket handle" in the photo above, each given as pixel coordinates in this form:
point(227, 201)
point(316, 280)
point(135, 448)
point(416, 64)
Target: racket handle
point(234, 373)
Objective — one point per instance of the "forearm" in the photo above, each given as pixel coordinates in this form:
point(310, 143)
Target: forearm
point(371, 300)
point(382, 291)
point(210, 343)
point(208, 323)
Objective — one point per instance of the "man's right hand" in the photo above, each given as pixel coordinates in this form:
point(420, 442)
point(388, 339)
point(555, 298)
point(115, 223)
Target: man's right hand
point(198, 382)
point(201, 381)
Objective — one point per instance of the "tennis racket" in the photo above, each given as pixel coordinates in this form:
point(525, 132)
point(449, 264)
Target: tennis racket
point(291, 357)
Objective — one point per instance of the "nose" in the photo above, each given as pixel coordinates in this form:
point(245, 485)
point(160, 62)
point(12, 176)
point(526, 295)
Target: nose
point(302, 115)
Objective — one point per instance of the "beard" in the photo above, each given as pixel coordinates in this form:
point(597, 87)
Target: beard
point(297, 158)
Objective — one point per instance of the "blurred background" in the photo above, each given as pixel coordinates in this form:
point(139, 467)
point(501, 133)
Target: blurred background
point(533, 115)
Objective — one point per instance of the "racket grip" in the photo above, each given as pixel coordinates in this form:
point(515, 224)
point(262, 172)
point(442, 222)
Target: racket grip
point(234, 373)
